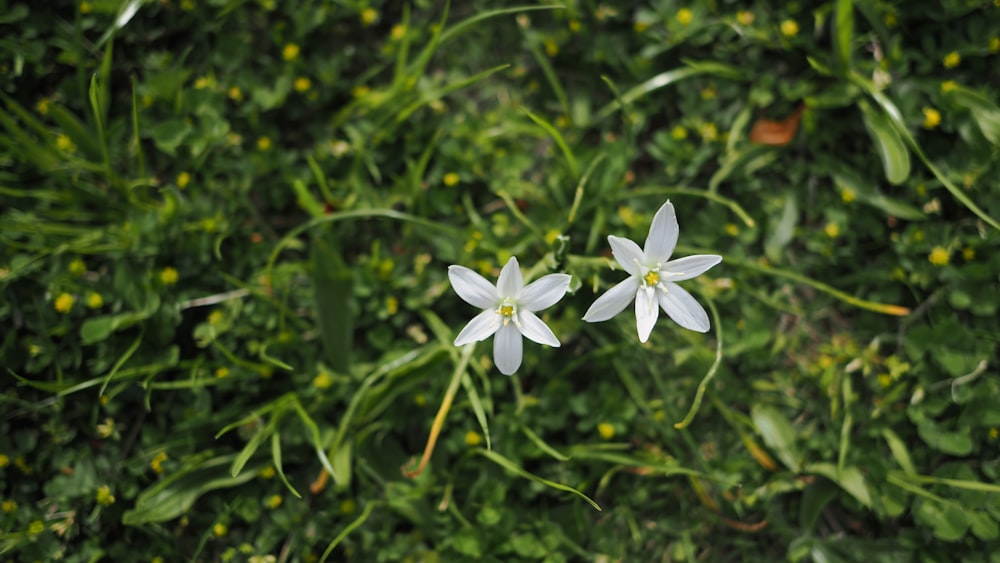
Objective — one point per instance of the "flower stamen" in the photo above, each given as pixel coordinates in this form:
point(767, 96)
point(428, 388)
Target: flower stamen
point(652, 278)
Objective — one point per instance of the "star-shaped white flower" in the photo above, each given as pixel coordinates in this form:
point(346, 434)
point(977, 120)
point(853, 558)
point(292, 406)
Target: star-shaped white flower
point(651, 279)
point(508, 310)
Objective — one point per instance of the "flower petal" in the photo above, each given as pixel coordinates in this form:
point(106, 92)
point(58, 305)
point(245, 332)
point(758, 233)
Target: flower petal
point(662, 235)
point(544, 292)
point(689, 267)
point(613, 301)
point(510, 283)
point(646, 312)
point(481, 327)
point(473, 288)
point(507, 349)
point(627, 253)
point(682, 308)
point(536, 330)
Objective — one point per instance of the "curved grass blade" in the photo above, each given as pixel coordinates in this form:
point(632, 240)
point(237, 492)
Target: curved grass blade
point(578, 196)
point(467, 24)
point(513, 468)
point(693, 68)
point(276, 458)
point(121, 361)
point(251, 448)
point(843, 36)
point(984, 111)
point(549, 450)
point(696, 404)
point(558, 138)
point(752, 158)
point(350, 528)
point(445, 90)
point(713, 197)
point(314, 434)
point(895, 310)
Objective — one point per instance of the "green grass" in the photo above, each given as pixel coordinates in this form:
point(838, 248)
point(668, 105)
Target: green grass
point(225, 232)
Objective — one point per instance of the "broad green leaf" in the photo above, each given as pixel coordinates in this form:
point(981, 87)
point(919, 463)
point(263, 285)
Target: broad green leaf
point(899, 451)
point(955, 443)
point(814, 500)
point(169, 134)
point(890, 147)
point(777, 434)
point(850, 479)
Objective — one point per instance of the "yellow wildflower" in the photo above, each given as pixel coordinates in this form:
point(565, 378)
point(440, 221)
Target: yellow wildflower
point(322, 380)
point(939, 256)
point(104, 496)
point(168, 276)
point(65, 144)
point(994, 44)
point(290, 52)
point(832, 230)
point(932, 118)
point(848, 195)
point(42, 106)
point(574, 26)
point(267, 473)
point(732, 229)
point(397, 32)
point(685, 16)
point(472, 438)
point(679, 133)
point(220, 530)
point(222, 373)
point(183, 179)
point(745, 17)
point(551, 47)
point(235, 94)
point(64, 302)
point(157, 462)
point(391, 305)
point(450, 179)
point(4, 460)
point(606, 430)
point(302, 84)
point(948, 86)
point(77, 267)
point(36, 527)
point(709, 132)
point(8, 506)
point(264, 143)
point(969, 253)
point(789, 28)
point(215, 317)
point(348, 506)
point(369, 16)
point(951, 60)
point(274, 502)
point(890, 19)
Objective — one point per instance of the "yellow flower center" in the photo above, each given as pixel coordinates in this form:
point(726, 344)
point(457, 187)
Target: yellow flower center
point(651, 278)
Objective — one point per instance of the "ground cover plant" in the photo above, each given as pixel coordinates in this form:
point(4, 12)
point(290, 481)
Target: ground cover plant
point(265, 267)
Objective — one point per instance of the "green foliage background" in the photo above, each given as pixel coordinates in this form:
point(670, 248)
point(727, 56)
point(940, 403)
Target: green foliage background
point(224, 241)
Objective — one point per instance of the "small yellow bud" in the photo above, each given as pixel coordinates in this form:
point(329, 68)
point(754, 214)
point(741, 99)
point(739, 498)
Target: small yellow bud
point(397, 32)
point(948, 86)
point(994, 44)
point(709, 132)
point(348, 506)
point(679, 133)
point(551, 47)
point(183, 179)
point(222, 373)
point(235, 94)
point(267, 473)
point(951, 60)
point(832, 230)
point(369, 16)
point(65, 144)
point(732, 229)
point(290, 52)
point(472, 438)
point(890, 19)
point(42, 106)
point(8, 506)
point(939, 256)
point(64, 303)
point(969, 253)
point(302, 84)
point(4, 460)
point(684, 16)
point(745, 17)
point(77, 267)
point(215, 317)
point(220, 530)
point(848, 195)
point(264, 143)
point(606, 430)
point(789, 28)
point(391, 305)
point(450, 179)
point(36, 527)
point(574, 26)
point(157, 462)
point(168, 276)
point(274, 502)
point(322, 380)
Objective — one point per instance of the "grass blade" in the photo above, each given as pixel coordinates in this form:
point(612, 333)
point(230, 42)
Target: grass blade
point(276, 458)
point(696, 404)
point(513, 468)
point(350, 528)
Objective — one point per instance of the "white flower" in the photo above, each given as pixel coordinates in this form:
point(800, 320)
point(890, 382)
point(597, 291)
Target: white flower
point(508, 310)
point(652, 277)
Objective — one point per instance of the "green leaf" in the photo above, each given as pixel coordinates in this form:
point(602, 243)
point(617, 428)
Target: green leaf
point(814, 500)
point(173, 496)
point(333, 286)
point(751, 158)
point(890, 147)
point(777, 434)
point(843, 35)
point(170, 134)
point(251, 447)
point(782, 230)
point(850, 479)
point(899, 451)
point(954, 443)
point(278, 466)
point(984, 111)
